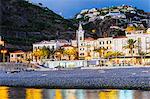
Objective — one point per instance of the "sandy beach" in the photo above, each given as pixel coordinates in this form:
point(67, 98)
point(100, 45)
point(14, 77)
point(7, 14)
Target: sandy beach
point(116, 78)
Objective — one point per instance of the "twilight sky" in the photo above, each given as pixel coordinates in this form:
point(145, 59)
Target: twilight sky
point(68, 8)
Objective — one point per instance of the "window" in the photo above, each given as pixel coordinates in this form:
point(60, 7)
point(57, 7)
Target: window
point(53, 47)
point(110, 42)
point(18, 55)
point(82, 54)
point(12, 55)
point(107, 42)
point(80, 38)
point(133, 51)
point(102, 42)
point(107, 47)
point(81, 49)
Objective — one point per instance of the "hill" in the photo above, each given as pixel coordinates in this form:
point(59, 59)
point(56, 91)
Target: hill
point(23, 23)
point(112, 21)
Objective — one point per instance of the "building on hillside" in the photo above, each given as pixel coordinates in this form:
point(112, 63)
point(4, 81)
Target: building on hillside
point(20, 56)
point(116, 15)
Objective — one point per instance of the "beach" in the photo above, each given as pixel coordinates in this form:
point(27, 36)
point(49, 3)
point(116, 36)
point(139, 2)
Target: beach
point(117, 78)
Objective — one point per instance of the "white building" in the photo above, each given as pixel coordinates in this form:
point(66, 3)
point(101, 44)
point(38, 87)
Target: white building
point(48, 44)
point(86, 46)
point(116, 15)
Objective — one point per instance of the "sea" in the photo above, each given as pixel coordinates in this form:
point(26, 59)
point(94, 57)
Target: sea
point(33, 93)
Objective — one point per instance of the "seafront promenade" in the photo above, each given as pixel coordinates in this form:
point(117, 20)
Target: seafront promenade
point(113, 78)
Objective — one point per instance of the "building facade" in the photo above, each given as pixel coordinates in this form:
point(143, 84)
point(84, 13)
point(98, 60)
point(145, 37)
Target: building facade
point(86, 46)
point(20, 56)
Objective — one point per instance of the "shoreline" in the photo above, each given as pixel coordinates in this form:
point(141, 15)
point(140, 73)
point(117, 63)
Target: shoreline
point(116, 78)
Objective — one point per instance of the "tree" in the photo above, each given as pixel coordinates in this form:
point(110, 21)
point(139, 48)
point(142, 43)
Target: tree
point(142, 54)
point(70, 52)
point(58, 53)
point(100, 51)
point(44, 52)
point(37, 54)
point(116, 54)
point(130, 45)
point(51, 53)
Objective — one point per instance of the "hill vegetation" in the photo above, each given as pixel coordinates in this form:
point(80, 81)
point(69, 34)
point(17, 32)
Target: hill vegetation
point(23, 23)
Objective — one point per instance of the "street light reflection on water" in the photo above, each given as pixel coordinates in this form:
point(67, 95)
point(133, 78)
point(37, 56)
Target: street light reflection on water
point(31, 93)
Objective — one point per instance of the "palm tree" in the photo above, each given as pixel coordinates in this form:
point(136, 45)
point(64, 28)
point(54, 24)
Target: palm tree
point(51, 53)
point(41, 53)
point(58, 53)
point(44, 52)
point(116, 54)
point(130, 45)
point(70, 52)
point(108, 54)
point(100, 51)
point(37, 54)
point(142, 54)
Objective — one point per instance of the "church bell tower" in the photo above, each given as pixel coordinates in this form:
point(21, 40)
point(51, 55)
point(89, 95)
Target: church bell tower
point(80, 40)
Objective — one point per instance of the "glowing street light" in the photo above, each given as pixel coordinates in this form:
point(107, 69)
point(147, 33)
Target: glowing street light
point(3, 52)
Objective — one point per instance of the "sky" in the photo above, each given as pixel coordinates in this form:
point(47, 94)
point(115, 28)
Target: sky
point(68, 8)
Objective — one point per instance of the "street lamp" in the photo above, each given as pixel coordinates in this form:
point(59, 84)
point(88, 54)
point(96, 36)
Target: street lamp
point(3, 52)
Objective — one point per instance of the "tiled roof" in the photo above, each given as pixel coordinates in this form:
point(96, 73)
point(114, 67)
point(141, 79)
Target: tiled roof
point(67, 46)
point(89, 39)
point(19, 51)
point(120, 37)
